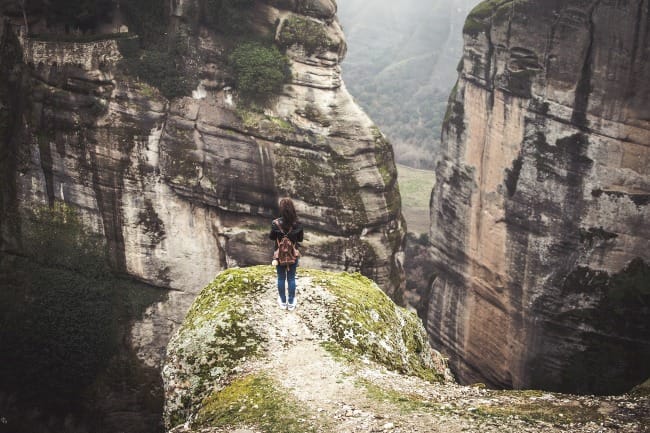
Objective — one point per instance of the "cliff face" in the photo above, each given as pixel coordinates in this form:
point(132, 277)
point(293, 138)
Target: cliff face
point(183, 187)
point(539, 218)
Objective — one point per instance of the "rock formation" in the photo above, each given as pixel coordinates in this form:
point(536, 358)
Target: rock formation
point(182, 187)
point(346, 360)
point(539, 218)
point(235, 327)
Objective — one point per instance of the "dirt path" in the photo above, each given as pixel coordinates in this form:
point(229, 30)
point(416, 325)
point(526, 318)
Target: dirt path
point(342, 392)
point(363, 397)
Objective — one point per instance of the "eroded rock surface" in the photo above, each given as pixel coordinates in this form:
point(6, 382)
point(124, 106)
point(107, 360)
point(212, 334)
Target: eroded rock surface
point(182, 188)
point(540, 212)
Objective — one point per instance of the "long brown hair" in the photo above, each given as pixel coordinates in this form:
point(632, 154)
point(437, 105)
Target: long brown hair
point(288, 213)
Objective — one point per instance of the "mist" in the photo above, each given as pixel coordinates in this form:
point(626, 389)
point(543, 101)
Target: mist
point(401, 66)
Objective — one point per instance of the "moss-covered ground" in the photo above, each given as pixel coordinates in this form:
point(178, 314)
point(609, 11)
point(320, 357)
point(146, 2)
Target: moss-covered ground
point(256, 400)
point(359, 324)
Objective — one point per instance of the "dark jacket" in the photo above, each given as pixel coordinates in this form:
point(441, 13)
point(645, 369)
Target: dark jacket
point(295, 234)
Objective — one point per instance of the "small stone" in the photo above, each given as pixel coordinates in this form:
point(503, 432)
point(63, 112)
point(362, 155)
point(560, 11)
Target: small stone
point(388, 426)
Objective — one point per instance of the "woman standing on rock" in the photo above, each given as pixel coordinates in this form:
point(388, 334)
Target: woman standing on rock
point(287, 226)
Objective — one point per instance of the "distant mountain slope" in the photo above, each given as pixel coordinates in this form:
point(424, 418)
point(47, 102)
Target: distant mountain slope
point(401, 66)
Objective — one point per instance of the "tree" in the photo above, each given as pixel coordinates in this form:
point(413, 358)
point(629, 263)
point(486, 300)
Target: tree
point(259, 70)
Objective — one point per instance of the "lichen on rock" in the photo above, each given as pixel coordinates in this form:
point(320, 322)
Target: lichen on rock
point(229, 334)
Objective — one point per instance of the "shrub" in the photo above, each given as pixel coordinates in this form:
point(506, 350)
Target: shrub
point(160, 68)
point(308, 33)
point(259, 70)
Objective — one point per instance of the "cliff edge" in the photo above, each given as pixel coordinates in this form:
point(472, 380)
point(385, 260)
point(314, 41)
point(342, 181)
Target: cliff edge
point(346, 360)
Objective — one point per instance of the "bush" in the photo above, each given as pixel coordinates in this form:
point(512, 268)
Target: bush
point(308, 33)
point(259, 70)
point(163, 69)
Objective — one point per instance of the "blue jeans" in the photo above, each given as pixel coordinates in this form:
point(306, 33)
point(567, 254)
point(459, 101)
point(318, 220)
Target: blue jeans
point(290, 276)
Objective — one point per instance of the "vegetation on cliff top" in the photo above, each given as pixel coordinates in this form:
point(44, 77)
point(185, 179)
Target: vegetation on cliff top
point(306, 32)
point(229, 324)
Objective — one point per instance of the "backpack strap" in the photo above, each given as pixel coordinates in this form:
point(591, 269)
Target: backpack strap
point(279, 226)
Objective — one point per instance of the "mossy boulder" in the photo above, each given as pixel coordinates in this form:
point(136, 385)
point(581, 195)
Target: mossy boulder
point(229, 339)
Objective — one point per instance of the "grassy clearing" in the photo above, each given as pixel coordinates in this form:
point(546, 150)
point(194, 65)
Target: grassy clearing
point(415, 188)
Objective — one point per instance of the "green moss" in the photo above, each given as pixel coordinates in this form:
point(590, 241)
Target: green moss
point(359, 320)
point(308, 33)
point(254, 118)
point(256, 400)
point(55, 236)
point(217, 334)
point(64, 314)
point(545, 411)
point(331, 183)
point(282, 124)
point(406, 402)
point(231, 286)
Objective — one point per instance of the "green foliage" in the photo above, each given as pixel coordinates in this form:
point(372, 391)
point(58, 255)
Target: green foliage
point(255, 400)
point(308, 33)
point(160, 67)
point(63, 314)
point(260, 70)
point(228, 16)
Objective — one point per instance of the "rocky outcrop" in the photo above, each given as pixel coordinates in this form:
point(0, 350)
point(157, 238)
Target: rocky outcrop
point(183, 187)
point(346, 360)
point(539, 218)
point(235, 330)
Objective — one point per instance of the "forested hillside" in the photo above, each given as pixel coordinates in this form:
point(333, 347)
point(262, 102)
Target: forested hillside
point(401, 67)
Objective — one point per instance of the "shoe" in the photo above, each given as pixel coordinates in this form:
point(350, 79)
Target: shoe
point(281, 304)
point(291, 306)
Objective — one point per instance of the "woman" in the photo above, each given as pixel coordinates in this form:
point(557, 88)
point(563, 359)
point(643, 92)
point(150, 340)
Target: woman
point(289, 226)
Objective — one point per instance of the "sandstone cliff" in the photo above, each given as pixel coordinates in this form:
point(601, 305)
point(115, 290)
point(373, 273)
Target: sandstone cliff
point(346, 360)
point(183, 186)
point(539, 218)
